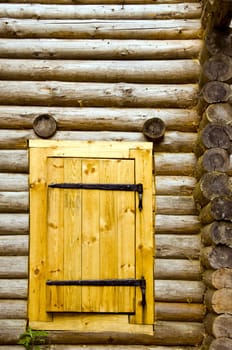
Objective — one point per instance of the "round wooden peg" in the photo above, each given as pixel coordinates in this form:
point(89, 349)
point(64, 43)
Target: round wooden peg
point(44, 126)
point(154, 129)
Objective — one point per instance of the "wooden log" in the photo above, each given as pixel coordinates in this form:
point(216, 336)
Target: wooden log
point(13, 182)
point(44, 126)
point(216, 257)
point(92, 119)
point(217, 113)
point(218, 41)
point(11, 330)
point(13, 288)
point(219, 301)
point(218, 67)
point(72, 94)
point(13, 266)
point(178, 269)
point(217, 233)
point(177, 224)
point(13, 309)
point(100, 49)
point(100, 1)
point(179, 291)
point(14, 224)
point(210, 186)
point(102, 347)
point(174, 163)
point(221, 343)
point(179, 312)
point(181, 71)
point(214, 135)
point(221, 278)
point(219, 208)
point(16, 202)
point(154, 129)
point(177, 246)
point(132, 12)
point(219, 326)
point(98, 29)
point(165, 333)
point(13, 161)
point(175, 205)
point(214, 159)
point(216, 91)
point(14, 245)
point(174, 185)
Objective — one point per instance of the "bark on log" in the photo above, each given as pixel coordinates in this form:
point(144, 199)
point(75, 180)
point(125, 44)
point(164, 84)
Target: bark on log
point(217, 233)
point(11, 330)
point(221, 278)
point(174, 185)
point(99, 49)
point(14, 224)
point(179, 312)
point(221, 343)
point(177, 246)
point(214, 159)
point(216, 91)
point(14, 245)
point(178, 269)
point(218, 67)
point(103, 347)
point(217, 257)
point(174, 163)
point(11, 182)
point(16, 202)
point(13, 267)
point(219, 326)
point(13, 309)
point(219, 42)
point(217, 113)
point(179, 291)
point(174, 224)
point(98, 29)
point(70, 94)
point(219, 208)
point(219, 301)
point(180, 71)
point(210, 186)
point(132, 12)
point(92, 119)
point(175, 205)
point(13, 288)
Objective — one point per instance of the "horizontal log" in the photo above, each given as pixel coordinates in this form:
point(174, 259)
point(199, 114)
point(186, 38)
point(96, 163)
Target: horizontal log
point(217, 113)
point(72, 94)
point(13, 288)
point(100, 1)
point(158, 71)
point(214, 159)
point(178, 269)
point(174, 185)
point(221, 343)
point(179, 291)
point(13, 161)
point(13, 267)
point(174, 163)
point(175, 205)
point(11, 330)
point(92, 119)
point(16, 202)
point(14, 245)
point(221, 278)
point(219, 208)
point(99, 49)
point(219, 326)
point(218, 41)
point(219, 301)
point(13, 182)
point(217, 233)
point(216, 91)
point(132, 12)
point(104, 347)
point(14, 224)
point(177, 246)
point(179, 312)
point(13, 309)
point(216, 257)
point(176, 224)
point(173, 140)
point(98, 29)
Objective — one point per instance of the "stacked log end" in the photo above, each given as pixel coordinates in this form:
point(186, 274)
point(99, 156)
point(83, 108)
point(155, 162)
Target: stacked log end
point(213, 192)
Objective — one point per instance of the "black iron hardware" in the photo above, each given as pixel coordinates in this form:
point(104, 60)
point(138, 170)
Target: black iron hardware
point(115, 187)
point(107, 282)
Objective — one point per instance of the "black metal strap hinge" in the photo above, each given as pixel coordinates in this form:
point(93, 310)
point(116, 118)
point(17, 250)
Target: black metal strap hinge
point(113, 187)
point(107, 282)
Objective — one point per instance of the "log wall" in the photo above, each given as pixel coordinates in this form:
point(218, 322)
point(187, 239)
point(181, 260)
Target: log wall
point(213, 191)
point(101, 69)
